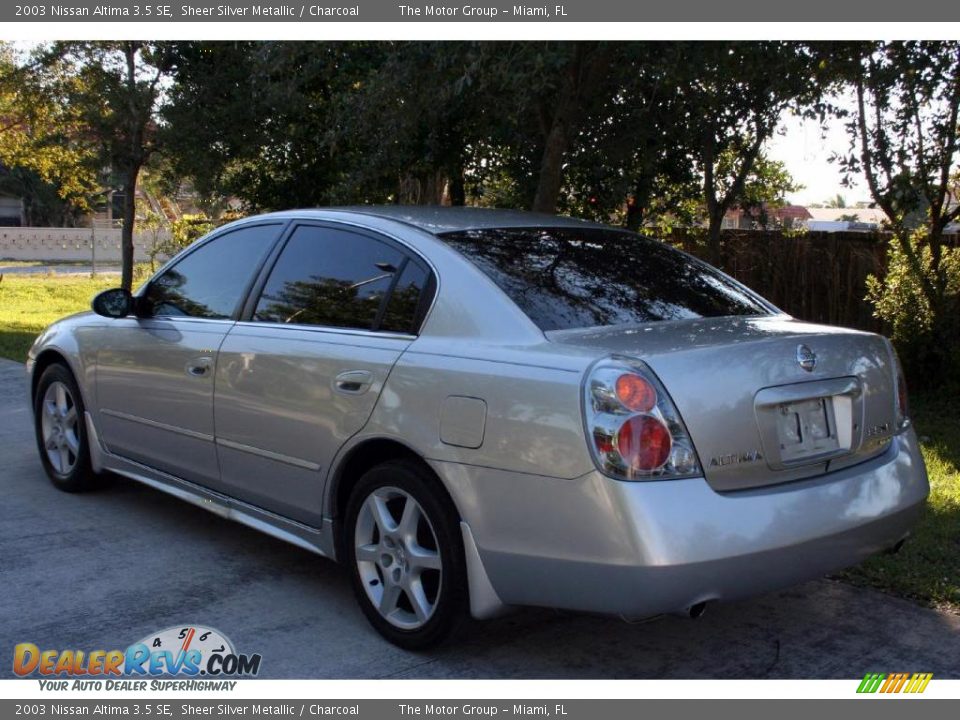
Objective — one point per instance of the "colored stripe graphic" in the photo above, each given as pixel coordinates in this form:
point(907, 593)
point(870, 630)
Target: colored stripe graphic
point(894, 682)
point(918, 683)
point(871, 681)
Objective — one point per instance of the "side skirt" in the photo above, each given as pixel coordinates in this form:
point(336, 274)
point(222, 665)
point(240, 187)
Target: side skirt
point(316, 540)
point(484, 601)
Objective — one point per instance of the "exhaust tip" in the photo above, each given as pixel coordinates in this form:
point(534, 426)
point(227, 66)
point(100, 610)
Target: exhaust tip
point(696, 611)
point(693, 612)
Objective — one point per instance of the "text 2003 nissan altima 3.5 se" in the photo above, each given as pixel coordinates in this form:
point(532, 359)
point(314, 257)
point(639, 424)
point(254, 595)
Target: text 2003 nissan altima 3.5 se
point(473, 409)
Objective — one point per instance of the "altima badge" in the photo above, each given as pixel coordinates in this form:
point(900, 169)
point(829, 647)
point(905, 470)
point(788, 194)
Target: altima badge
point(806, 358)
point(736, 458)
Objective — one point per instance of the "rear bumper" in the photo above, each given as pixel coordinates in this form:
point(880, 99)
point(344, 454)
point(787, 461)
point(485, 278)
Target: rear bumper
point(599, 545)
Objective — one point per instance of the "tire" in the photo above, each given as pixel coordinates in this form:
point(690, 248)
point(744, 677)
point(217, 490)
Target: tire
point(61, 431)
point(412, 567)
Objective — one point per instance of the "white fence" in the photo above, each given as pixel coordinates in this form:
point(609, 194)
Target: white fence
point(32, 243)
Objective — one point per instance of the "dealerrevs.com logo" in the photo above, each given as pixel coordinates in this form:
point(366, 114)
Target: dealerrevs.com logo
point(189, 651)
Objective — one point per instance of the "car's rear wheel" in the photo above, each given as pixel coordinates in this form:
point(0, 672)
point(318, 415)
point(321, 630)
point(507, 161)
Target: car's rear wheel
point(60, 430)
point(405, 553)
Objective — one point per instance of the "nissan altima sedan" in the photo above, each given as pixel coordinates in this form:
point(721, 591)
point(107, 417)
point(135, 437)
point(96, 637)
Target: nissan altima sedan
point(476, 409)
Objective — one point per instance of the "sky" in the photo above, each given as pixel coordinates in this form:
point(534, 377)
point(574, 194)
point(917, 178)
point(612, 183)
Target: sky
point(805, 149)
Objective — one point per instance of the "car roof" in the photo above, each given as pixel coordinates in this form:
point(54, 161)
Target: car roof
point(437, 220)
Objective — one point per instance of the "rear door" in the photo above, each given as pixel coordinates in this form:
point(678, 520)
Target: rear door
point(155, 373)
point(302, 371)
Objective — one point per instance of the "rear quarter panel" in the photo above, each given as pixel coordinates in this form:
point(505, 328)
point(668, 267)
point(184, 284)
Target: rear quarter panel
point(532, 424)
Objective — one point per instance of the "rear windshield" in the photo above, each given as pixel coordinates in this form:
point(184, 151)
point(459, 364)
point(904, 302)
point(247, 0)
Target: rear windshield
point(571, 278)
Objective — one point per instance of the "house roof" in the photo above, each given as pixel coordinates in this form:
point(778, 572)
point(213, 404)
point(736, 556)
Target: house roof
point(866, 215)
point(785, 212)
point(792, 212)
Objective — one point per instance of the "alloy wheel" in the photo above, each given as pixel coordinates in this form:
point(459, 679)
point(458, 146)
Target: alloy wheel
point(60, 432)
point(398, 557)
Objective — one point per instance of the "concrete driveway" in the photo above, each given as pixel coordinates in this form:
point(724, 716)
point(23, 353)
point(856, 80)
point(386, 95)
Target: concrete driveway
point(101, 570)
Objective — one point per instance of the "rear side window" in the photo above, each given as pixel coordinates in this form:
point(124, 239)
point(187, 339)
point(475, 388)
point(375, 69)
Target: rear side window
point(337, 278)
point(403, 309)
point(209, 282)
point(564, 279)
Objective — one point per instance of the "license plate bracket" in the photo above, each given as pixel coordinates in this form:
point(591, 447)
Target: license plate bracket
point(806, 428)
point(810, 422)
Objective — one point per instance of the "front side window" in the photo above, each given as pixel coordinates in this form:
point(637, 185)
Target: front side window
point(572, 278)
point(337, 278)
point(211, 280)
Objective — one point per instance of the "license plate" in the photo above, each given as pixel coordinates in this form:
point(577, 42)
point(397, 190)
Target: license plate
point(806, 429)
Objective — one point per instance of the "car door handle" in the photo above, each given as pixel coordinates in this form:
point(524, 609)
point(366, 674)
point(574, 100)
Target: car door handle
point(198, 367)
point(353, 382)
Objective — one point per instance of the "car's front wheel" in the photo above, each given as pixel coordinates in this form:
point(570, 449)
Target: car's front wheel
point(60, 430)
point(405, 554)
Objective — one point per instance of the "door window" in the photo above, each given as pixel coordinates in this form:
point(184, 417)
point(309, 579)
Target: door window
point(337, 278)
point(211, 280)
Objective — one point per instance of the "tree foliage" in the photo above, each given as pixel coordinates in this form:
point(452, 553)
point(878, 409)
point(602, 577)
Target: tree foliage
point(764, 189)
point(904, 140)
point(605, 130)
point(116, 89)
point(259, 121)
point(735, 94)
point(41, 138)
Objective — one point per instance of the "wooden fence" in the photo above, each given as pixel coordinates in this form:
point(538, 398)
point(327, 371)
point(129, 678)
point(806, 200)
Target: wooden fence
point(816, 276)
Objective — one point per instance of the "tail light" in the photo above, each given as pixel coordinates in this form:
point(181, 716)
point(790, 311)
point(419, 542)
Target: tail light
point(635, 431)
point(903, 404)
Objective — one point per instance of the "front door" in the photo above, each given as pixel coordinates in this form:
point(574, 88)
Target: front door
point(155, 373)
point(304, 371)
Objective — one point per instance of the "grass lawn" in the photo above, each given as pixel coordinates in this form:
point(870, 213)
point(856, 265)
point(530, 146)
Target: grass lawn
point(20, 263)
point(927, 569)
point(28, 303)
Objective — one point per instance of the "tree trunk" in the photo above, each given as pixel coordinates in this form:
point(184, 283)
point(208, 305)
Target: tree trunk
point(551, 168)
point(713, 239)
point(458, 189)
point(126, 231)
point(425, 188)
point(638, 203)
point(559, 120)
point(715, 209)
point(634, 215)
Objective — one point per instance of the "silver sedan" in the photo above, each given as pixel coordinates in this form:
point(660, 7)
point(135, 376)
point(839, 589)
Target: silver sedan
point(476, 409)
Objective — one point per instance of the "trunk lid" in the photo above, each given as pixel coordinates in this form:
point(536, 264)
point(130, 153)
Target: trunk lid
point(756, 416)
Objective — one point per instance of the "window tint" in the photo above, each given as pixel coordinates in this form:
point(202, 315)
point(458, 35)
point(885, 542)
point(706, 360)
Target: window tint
point(401, 311)
point(330, 277)
point(566, 279)
point(209, 282)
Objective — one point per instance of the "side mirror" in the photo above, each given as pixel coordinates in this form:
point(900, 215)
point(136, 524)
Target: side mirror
point(114, 303)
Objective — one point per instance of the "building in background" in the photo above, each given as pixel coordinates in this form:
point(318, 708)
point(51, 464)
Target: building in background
point(766, 217)
point(11, 211)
